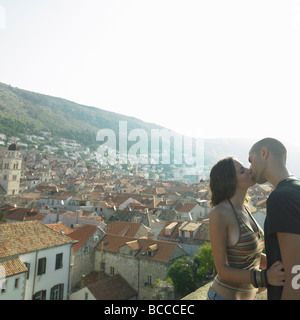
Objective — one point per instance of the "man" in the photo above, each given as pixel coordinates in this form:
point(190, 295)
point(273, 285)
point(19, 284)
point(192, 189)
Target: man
point(282, 224)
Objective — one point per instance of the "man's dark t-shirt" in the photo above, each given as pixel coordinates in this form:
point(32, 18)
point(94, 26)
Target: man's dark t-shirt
point(283, 215)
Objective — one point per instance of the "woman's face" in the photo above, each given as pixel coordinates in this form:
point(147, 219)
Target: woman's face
point(243, 175)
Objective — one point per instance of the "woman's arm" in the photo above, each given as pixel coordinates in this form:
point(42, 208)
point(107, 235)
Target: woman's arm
point(263, 261)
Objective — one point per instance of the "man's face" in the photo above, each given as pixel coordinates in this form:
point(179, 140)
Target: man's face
point(257, 168)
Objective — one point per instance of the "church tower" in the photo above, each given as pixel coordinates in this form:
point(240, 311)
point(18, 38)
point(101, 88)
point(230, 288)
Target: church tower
point(11, 170)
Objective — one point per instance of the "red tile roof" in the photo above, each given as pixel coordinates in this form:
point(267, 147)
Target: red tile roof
point(21, 214)
point(153, 191)
point(164, 249)
point(82, 235)
point(186, 207)
point(122, 228)
point(13, 267)
point(112, 288)
point(174, 230)
point(60, 227)
point(27, 236)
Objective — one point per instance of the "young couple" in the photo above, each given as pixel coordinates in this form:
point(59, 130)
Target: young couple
point(236, 238)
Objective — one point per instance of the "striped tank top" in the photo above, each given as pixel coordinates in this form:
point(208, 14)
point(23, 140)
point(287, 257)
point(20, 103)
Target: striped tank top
point(245, 254)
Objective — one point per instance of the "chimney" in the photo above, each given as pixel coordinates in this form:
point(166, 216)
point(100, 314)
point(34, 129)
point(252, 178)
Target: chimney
point(82, 281)
point(78, 215)
point(151, 235)
point(102, 267)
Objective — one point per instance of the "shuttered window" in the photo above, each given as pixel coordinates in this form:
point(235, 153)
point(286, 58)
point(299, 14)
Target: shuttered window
point(41, 266)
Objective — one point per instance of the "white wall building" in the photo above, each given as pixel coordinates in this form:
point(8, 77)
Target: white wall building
point(13, 275)
point(45, 259)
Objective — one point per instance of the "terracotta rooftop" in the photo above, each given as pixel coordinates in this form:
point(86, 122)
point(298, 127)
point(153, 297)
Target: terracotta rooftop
point(60, 227)
point(153, 191)
point(170, 230)
point(12, 267)
point(21, 214)
point(82, 235)
point(31, 195)
point(119, 199)
point(134, 245)
point(122, 228)
point(112, 288)
point(164, 249)
point(189, 226)
point(186, 207)
point(27, 236)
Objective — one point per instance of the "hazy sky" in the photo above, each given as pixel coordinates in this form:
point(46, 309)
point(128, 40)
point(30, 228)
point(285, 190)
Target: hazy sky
point(208, 68)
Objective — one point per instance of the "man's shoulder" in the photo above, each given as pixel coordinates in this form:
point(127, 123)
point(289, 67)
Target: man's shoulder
point(289, 184)
point(285, 190)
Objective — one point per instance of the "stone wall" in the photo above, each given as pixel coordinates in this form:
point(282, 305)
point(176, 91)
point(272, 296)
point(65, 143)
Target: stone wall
point(139, 273)
point(84, 258)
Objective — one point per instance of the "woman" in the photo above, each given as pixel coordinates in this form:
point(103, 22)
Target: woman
point(237, 240)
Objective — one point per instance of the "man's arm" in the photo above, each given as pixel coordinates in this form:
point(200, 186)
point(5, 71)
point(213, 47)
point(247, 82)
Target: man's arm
point(290, 253)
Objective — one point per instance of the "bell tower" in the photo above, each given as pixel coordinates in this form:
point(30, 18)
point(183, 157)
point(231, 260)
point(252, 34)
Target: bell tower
point(11, 170)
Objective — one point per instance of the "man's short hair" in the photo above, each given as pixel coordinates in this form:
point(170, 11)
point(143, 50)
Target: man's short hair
point(275, 147)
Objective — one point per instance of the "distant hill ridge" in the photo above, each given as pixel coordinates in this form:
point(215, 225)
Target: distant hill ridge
point(26, 112)
point(63, 118)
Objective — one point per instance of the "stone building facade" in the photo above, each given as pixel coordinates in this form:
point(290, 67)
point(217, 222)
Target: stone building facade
point(11, 170)
point(88, 238)
point(140, 261)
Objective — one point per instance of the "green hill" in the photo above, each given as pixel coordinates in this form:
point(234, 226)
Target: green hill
point(23, 111)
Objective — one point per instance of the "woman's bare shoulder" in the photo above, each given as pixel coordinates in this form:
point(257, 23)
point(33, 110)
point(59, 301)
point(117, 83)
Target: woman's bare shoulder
point(220, 211)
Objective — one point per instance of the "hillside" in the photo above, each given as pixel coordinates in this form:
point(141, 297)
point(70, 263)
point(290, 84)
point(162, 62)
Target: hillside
point(22, 111)
point(26, 112)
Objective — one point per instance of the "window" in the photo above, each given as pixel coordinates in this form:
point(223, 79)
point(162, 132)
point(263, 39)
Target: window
point(149, 279)
point(41, 266)
point(57, 292)
point(86, 249)
point(6, 166)
point(5, 177)
point(4, 286)
point(112, 271)
point(14, 177)
point(59, 261)
point(40, 295)
point(16, 283)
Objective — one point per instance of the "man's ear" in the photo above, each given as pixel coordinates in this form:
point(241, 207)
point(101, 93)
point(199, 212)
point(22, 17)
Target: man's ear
point(264, 153)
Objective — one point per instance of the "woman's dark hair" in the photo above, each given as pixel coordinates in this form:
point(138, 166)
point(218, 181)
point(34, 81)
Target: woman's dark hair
point(223, 181)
